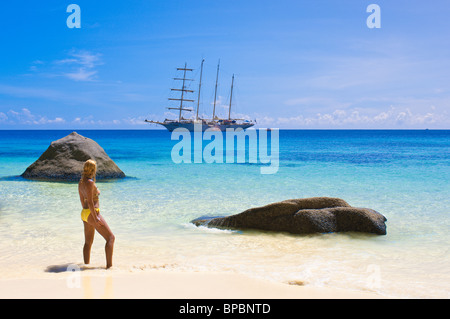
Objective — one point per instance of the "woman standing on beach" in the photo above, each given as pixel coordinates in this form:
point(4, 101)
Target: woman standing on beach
point(90, 214)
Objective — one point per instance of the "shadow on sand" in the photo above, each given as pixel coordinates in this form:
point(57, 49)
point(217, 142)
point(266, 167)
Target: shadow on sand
point(70, 267)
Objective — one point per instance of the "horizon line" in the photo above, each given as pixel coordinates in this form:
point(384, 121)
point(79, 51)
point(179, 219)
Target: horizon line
point(281, 129)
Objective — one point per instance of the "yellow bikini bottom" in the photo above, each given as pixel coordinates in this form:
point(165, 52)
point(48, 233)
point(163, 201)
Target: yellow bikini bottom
point(86, 212)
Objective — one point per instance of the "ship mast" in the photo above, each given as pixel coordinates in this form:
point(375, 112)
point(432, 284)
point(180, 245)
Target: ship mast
point(183, 89)
point(199, 87)
point(231, 96)
point(215, 92)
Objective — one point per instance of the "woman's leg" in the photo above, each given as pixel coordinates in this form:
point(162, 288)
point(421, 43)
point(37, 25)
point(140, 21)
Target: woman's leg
point(106, 233)
point(89, 232)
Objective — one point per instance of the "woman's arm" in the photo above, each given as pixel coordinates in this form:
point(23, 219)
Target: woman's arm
point(81, 195)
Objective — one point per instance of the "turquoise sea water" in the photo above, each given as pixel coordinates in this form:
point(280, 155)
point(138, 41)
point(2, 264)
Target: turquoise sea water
point(405, 175)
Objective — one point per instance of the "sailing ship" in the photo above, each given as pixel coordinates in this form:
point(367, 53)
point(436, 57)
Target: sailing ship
point(215, 123)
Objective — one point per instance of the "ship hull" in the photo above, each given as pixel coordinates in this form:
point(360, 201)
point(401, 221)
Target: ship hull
point(214, 127)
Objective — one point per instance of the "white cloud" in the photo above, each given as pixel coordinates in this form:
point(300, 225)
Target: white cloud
point(84, 58)
point(84, 121)
point(57, 120)
point(82, 64)
point(24, 116)
point(79, 66)
point(3, 117)
point(394, 117)
point(135, 121)
point(90, 121)
point(81, 75)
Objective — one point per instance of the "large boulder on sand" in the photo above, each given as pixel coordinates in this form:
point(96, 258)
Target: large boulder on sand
point(64, 160)
point(303, 216)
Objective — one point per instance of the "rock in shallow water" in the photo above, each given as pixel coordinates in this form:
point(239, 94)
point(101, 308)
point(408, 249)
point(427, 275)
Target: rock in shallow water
point(303, 216)
point(64, 160)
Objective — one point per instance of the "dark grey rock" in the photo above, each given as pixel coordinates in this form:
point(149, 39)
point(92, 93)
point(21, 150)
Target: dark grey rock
point(303, 216)
point(64, 160)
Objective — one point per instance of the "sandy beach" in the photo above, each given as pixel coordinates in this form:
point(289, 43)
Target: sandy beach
point(160, 284)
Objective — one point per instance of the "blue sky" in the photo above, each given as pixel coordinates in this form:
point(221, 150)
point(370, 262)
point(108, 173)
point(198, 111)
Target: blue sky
point(298, 64)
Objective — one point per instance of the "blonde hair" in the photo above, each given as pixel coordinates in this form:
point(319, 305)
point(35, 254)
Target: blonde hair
point(89, 169)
